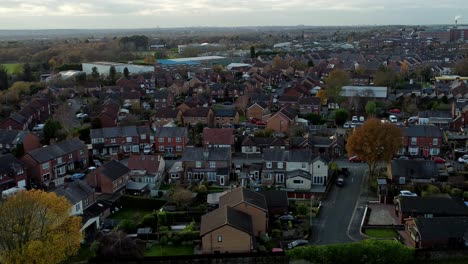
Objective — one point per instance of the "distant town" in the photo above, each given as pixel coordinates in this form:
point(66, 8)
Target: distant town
point(235, 144)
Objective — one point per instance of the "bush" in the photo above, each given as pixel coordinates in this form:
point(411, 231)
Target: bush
point(465, 195)
point(149, 221)
point(128, 226)
point(201, 189)
point(142, 203)
point(176, 239)
point(302, 209)
point(163, 241)
point(162, 218)
point(276, 233)
point(455, 192)
point(163, 229)
point(430, 190)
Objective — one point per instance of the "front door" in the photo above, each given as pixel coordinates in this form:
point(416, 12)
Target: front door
point(221, 180)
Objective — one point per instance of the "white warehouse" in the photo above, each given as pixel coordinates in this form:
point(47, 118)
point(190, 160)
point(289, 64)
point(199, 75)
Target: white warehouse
point(103, 67)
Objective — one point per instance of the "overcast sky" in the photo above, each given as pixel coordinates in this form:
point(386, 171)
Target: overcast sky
point(50, 14)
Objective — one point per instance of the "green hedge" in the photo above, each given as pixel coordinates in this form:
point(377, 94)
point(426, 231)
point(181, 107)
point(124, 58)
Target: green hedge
point(369, 251)
point(142, 203)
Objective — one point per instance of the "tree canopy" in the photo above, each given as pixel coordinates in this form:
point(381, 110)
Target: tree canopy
point(35, 227)
point(461, 68)
point(371, 108)
point(51, 130)
point(340, 116)
point(335, 81)
point(375, 141)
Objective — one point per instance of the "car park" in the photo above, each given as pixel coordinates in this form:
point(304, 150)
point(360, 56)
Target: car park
point(298, 243)
point(407, 193)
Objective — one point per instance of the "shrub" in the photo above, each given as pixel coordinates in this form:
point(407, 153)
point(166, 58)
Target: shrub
point(149, 220)
point(302, 209)
point(163, 241)
point(128, 226)
point(456, 192)
point(163, 228)
point(276, 233)
point(162, 218)
point(176, 239)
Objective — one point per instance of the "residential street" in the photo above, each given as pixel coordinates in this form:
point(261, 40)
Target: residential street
point(341, 213)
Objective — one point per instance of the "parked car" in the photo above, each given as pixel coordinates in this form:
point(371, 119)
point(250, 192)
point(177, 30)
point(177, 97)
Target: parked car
point(287, 217)
point(298, 243)
point(81, 115)
point(38, 127)
point(403, 158)
point(438, 160)
point(407, 193)
point(346, 125)
point(395, 111)
point(340, 182)
point(362, 119)
point(413, 119)
point(463, 159)
point(97, 162)
point(393, 119)
point(261, 123)
point(354, 119)
point(78, 176)
point(345, 171)
point(147, 149)
point(355, 159)
point(254, 120)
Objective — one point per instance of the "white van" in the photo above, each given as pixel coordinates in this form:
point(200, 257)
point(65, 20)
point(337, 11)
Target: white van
point(12, 191)
point(393, 119)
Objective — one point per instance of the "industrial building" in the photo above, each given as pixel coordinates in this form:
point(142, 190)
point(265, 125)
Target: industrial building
point(103, 67)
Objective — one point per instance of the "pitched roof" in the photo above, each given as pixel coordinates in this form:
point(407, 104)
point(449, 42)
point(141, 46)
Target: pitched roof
point(299, 155)
point(166, 112)
point(225, 112)
point(440, 228)
point(414, 169)
point(113, 132)
point(75, 191)
point(171, 132)
point(57, 150)
point(214, 154)
point(144, 162)
point(263, 141)
point(422, 131)
point(298, 173)
point(432, 205)
point(113, 169)
point(274, 154)
point(240, 195)
point(218, 136)
point(11, 136)
point(310, 100)
point(275, 198)
point(226, 215)
point(197, 112)
point(9, 164)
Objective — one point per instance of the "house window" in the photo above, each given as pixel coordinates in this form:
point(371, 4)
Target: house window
point(220, 238)
point(414, 141)
point(59, 160)
point(179, 148)
point(279, 178)
point(161, 140)
point(189, 175)
point(161, 148)
point(113, 140)
point(70, 156)
point(169, 140)
point(77, 207)
point(435, 141)
point(304, 165)
point(61, 170)
point(212, 164)
point(280, 165)
point(198, 164)
point(86, 202)
point(126, 148)
point(129, 139)
point(81, 152)
point(135, 149)
point(268, 165)
point(298, 181)
point(178, 139)
point(45, 166)
point(211, 176)
point(143, 136)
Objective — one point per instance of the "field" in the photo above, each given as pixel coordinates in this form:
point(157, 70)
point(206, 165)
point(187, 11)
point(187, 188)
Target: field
point(10, 67)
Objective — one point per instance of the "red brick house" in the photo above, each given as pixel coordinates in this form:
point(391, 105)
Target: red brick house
point(193, 116)
point(114, 140)
point(110, 178)
point(12, 172)
point(257, 110)
point(218, 137)
point(35, 111)
point(170, 140)
point(309, 105)
point(166, 115)
point(10, 139)
point(163, 98)
point(226, 118)
point(51, 163)
point(210, 164)
point(281, 120)
point(422, 140)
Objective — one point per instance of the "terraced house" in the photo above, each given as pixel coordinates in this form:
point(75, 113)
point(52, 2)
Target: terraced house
point(114, 140)
point(210, 164)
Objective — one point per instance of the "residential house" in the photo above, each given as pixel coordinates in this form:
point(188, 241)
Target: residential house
point(163, 98)
point(146, 168)
point(281, 120)
point(110, 178)
point(227, 230)
point(109, 114)
point(165, 116)
point(251, 203)
point(210, 164)
point(309, 105)
point(11, 139)
point(274, 167)
point(131, 98)
point(324, 146)
point(50, 164)
point(438, 232)
point(428, 207)
point(298, 180)
point(34, 112)
point(226, 118)
point(170, 140)
point(277, 201)
point(441, 119)
point(202, 115)
point(316, 166)
point(219, 137)
point(422, 140)
point(114, 140)
point(79, 194)
point(257, 110)
point(12, 172)
point(256, 145)
point(403, 171)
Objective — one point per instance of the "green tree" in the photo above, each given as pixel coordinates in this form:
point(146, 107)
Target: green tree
point(27, 73)
point(335, 82)
point(461, 68)
point(371, 108)
point(95, 73)
point(340, 116)
point(386, 77)
point(112, 74)
point(3, 78)
point(252, 52)
point(117, 244)
point(18, 151)
point(126, 73)
point(314, 119)
point(51, 130)
point(310, 63)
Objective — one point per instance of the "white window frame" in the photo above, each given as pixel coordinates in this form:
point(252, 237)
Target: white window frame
point(143, 136)
point(269, 164)
point(161, 148)
point(179, 148)
point(197, 164)
point(178, 139)
point(212, 164)
point(414, 141)
point(160, 139)
point(435, 141)
point(280, 165)
point(45, 166)
point(113, 140)
point(169, 140)
point(129, 139)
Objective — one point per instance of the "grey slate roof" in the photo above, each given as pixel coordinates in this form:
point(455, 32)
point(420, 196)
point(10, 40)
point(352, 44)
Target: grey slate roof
point(274, 155)
point(225, 113)
point(432, 205)
point(440, 228)
point(143, 130)
point(114, 169)
point(57, 150)
point(113, 132)
point(300, 155)
point(298, 173)
point(214, 154)
point(171, 132)
point(422, 131)
point(226, 215)
point(414, 169)
point(75, 191)
point(275, 198)
point(9, 164)
point(11, 136)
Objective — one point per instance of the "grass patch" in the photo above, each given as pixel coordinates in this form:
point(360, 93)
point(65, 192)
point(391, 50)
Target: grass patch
point(159, 250)
point(12, 67)
point(129, 214)
point(215, 189)
point(381, 233)
point(164, 187)
point(84, 254)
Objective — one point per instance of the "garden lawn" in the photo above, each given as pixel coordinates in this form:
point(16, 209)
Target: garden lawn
point(10, 67)
point(129, 214)
point(158, 250)
point(381, 233)
point(215, 189)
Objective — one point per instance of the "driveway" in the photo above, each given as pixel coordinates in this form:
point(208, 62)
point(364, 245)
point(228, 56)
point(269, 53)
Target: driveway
point(342, 211)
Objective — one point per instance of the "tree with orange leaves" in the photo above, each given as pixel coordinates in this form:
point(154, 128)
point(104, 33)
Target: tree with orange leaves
point(375, 141)
point(36, 227)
